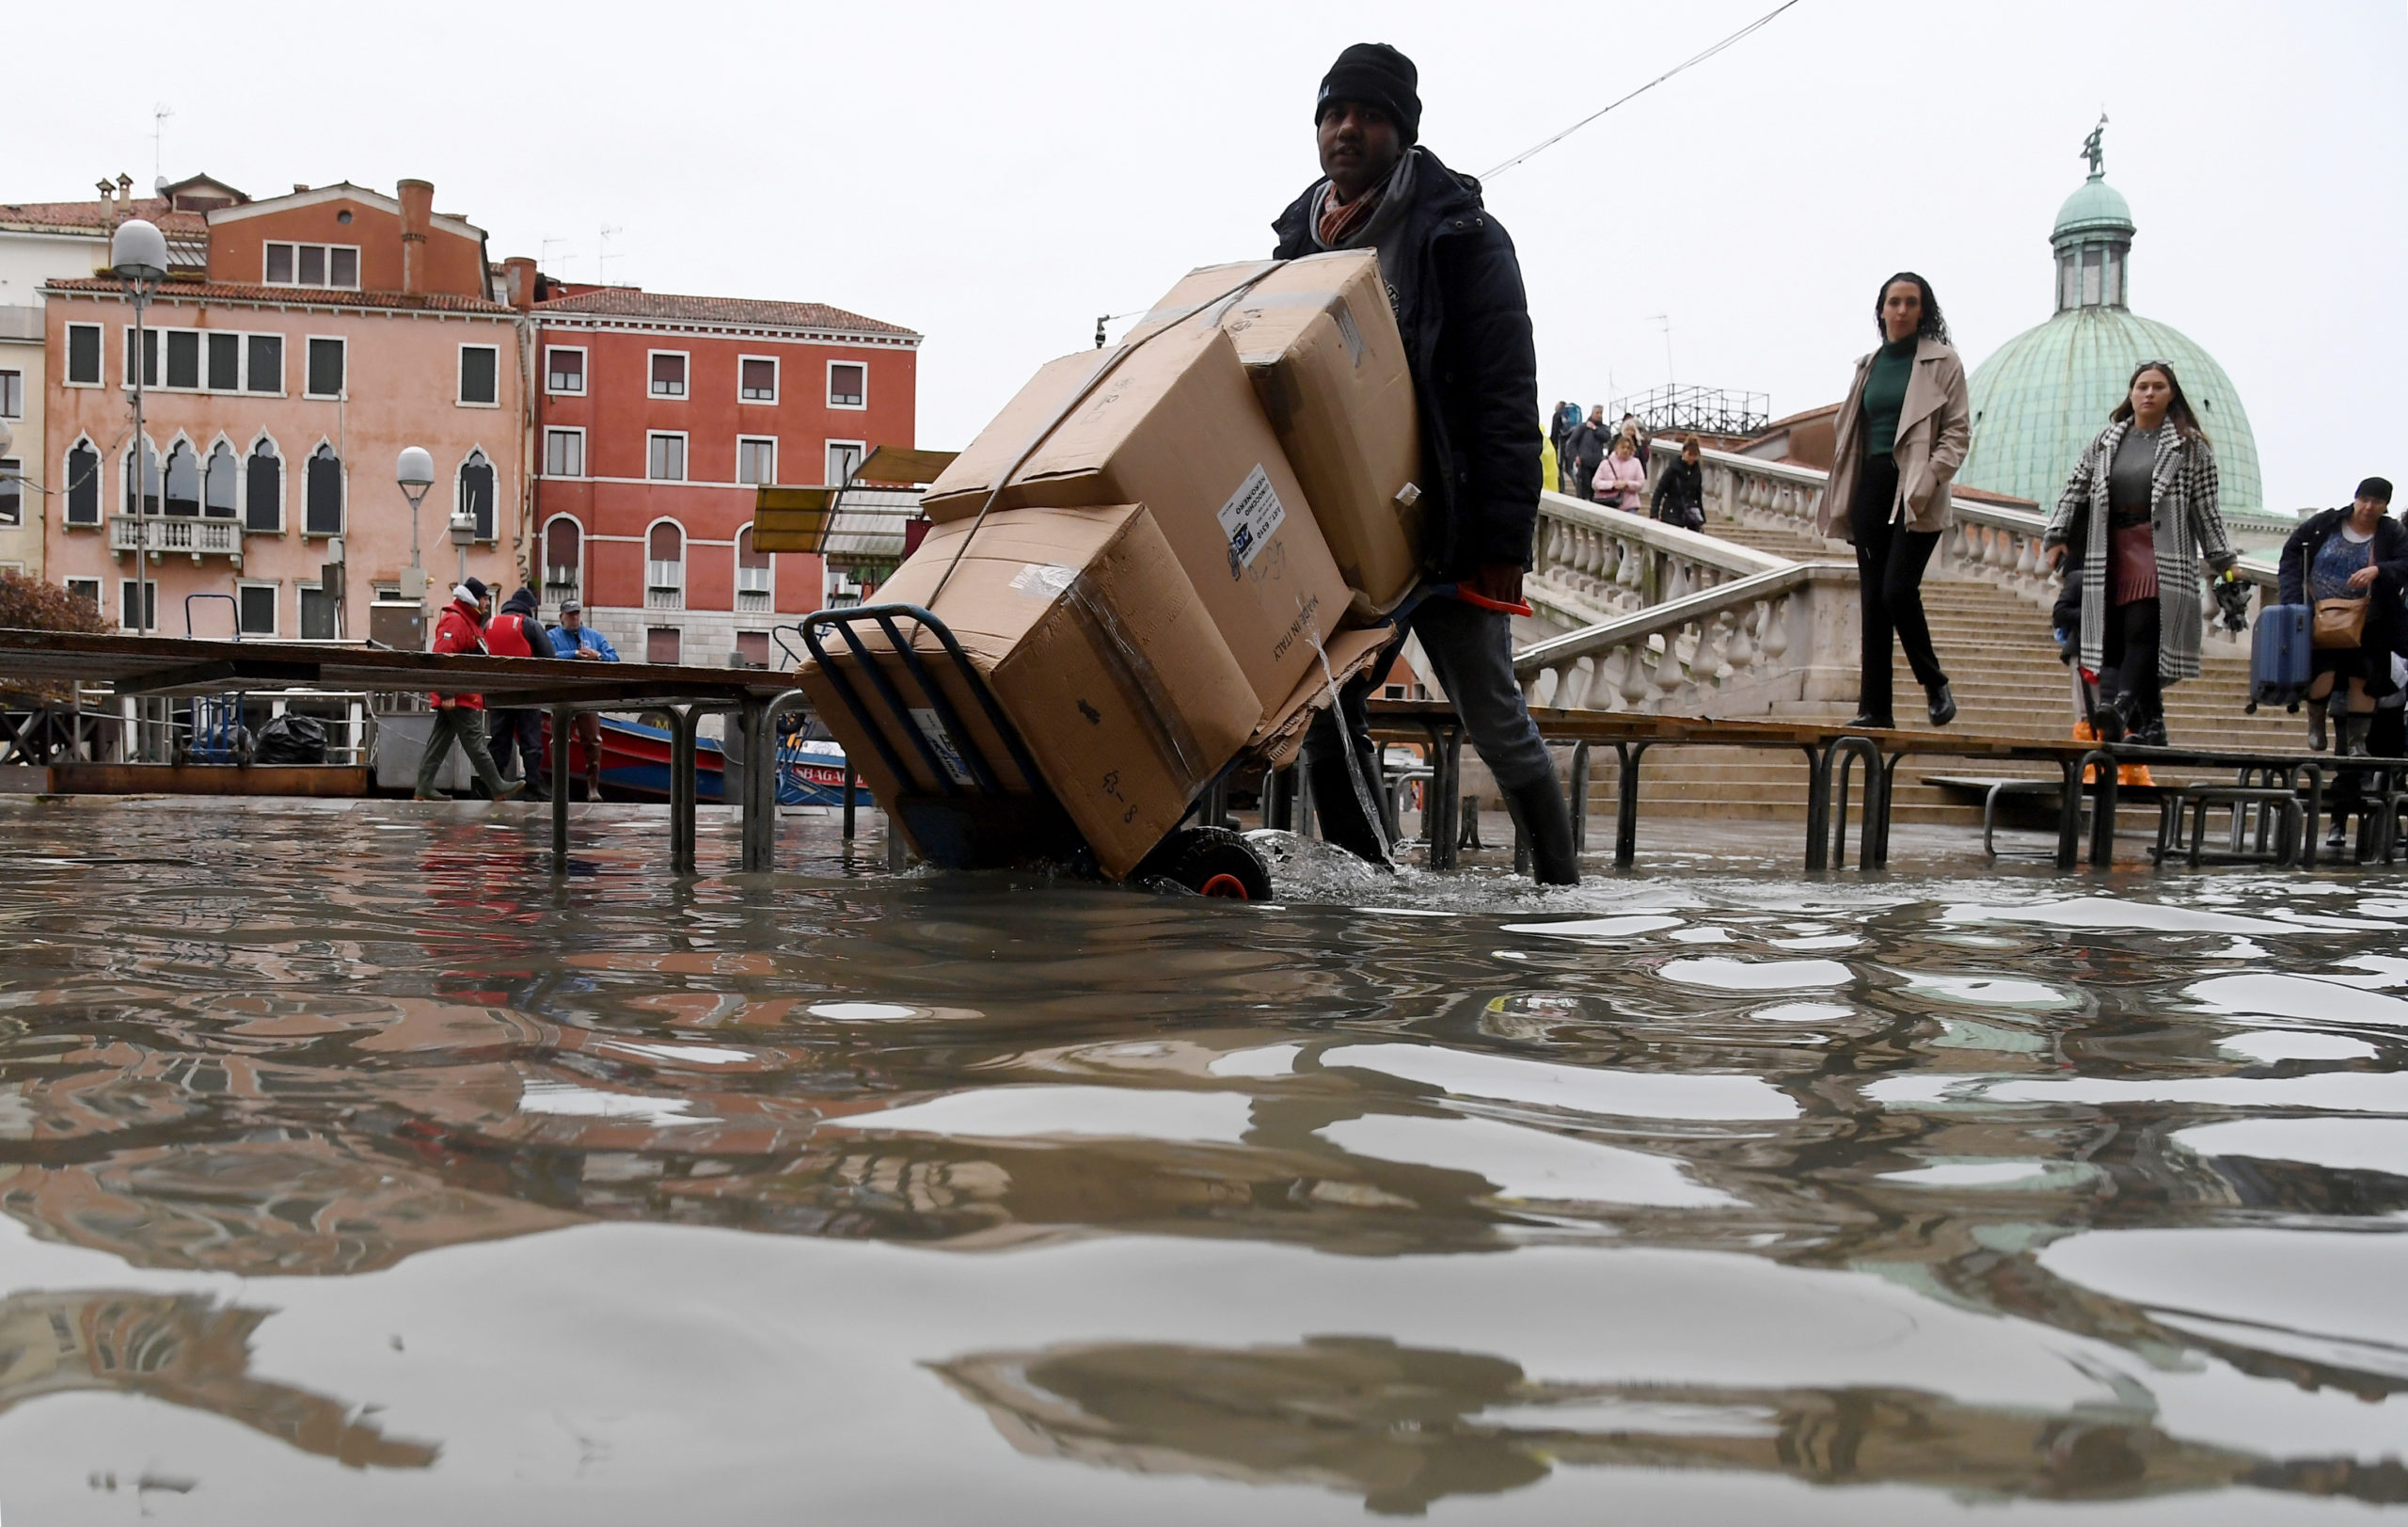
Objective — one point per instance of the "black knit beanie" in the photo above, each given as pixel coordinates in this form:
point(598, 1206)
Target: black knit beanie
point(2376, 487)
point(1376, 75)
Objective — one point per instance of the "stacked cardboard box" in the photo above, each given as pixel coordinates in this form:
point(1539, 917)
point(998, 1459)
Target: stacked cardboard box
point(1095, 647)
point(1130, 560)
point(1319, 342)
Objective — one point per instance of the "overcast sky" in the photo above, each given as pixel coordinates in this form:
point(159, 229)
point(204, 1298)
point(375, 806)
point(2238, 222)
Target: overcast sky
point(996, 176)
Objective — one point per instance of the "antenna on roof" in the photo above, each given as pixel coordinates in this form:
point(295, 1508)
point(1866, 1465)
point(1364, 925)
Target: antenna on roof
point(544, 257)
point(602, 255)
point(160, 112)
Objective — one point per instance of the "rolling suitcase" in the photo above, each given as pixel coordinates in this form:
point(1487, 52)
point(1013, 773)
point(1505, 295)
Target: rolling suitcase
point(2279, 654)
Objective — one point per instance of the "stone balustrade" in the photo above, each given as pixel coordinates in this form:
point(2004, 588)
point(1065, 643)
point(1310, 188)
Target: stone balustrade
point(1594, 563)
point(1991, 543)
point(1751, 643)
point(162, 535)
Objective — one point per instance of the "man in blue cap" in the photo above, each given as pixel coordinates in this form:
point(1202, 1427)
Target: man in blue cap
point(1456, 285)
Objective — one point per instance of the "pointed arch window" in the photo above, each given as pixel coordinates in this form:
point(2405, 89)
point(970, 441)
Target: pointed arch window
point(476, 492)
point(563, 561)
point(322, 494)
point(217, 485)
point(183, 481)
point(263, 494)
point(83, 484)
point(149, 490)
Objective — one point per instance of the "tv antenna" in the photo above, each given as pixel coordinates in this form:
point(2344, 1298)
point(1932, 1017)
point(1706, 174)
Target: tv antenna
point(602, 255)
point(160, 112)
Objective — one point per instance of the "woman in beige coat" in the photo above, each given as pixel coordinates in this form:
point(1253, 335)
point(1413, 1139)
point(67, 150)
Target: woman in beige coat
point(1901, 435)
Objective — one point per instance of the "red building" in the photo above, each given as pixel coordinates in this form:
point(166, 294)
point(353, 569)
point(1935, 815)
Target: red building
point(657, 417)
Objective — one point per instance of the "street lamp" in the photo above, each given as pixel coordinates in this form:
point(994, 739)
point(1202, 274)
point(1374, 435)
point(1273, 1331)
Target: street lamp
point(415, 472)
point(138, 257)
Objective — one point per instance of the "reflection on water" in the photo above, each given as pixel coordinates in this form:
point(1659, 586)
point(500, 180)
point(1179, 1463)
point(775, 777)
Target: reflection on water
point(1403, 1428)
point(2142, 1146)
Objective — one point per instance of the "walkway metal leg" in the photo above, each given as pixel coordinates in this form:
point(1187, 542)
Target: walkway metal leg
point(1579, 800)
point(2315, 815)
point(2069, 815)
point(2103, 811)
point(1879, 857)
point(852, 784)
point(1628, 755)
point(1818, 808)
point(561, 717)
point(753, 853)
point(1445, 849)
point(682, 790)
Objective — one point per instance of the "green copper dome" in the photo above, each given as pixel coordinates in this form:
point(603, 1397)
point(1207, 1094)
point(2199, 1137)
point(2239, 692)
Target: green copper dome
point(2096, 206)
point(2047, 392)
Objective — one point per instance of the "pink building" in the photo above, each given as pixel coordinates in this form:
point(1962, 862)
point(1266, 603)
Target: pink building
point(330, 328)
point(657, 417)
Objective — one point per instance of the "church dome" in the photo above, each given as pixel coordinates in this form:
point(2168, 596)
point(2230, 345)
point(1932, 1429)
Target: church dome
point(2095, 206)
point(2047, 392)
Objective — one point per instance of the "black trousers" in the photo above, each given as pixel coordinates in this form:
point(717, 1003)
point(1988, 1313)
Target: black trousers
point(2128, 660)
point(1890, 560)
point(520, 733)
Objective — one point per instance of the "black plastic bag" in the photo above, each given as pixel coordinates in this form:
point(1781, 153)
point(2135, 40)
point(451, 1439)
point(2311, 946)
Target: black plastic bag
point(291, 739)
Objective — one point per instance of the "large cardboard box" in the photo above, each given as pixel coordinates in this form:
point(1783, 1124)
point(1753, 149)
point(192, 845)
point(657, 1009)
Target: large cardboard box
point(1320, 341)
point(1172, 423)
point(1098, 651)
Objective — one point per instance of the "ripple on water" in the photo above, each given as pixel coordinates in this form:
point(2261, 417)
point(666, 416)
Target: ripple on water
point(1411, 1193)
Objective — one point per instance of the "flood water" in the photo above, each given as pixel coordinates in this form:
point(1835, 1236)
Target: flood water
point(352, 1168)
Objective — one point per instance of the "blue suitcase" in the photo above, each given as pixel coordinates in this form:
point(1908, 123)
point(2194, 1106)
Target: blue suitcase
point(2279, 654)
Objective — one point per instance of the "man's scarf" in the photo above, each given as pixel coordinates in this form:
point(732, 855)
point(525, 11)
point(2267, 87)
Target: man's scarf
point(1369, 218)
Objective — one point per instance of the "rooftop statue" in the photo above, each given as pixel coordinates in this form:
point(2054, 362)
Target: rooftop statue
point(2095, 150)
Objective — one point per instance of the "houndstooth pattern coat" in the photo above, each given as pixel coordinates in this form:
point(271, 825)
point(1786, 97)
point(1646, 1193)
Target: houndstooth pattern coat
point(2184, 525)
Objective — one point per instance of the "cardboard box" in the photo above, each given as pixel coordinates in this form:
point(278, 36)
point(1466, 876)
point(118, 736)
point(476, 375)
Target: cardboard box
point(1095, 645)
point(1320, 341)
point(1173, 425)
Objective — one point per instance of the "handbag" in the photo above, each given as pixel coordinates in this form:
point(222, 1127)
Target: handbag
point(2340, 623)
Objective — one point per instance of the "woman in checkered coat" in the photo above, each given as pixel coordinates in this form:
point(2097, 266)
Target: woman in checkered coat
point(2143, 498)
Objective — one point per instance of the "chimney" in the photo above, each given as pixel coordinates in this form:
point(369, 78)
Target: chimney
point(417, 215)
point(125, 196)
point(521, 294)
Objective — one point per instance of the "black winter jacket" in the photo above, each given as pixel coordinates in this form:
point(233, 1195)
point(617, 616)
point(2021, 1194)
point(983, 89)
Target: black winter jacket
point(1680, 495)
point(1466, 327)
point(2387, 624)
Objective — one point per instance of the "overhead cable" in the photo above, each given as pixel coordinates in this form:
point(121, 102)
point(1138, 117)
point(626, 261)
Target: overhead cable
point(1756, 26)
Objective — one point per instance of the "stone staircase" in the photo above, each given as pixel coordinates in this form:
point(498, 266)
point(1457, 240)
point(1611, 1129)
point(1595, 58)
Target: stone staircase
point(2003, 664)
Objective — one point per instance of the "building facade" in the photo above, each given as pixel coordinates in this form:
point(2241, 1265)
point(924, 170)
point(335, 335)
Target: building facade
point(326, 331)
point(46, 241)
point(656, 418)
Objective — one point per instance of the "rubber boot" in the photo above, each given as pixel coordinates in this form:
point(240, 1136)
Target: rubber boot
point(2354, 725)
point(1546, 823)
point(2112, 719)
point(1343, 806)
point(2316, 725)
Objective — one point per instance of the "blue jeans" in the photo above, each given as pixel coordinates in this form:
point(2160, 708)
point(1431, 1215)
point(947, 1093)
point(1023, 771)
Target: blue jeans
point(1471, 655)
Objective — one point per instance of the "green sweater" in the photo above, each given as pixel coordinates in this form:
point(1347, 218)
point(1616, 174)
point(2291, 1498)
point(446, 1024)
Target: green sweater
point(1885, 393)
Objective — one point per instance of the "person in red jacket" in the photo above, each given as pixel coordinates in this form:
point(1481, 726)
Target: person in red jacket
point(461, 717)
point(518, 632)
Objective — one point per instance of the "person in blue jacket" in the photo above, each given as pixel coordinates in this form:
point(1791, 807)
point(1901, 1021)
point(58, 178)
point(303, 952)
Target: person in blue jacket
point(573, 638)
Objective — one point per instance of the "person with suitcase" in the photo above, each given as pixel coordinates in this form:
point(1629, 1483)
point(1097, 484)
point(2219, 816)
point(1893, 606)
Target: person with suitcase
point(2148, 482)
point(2349, 568)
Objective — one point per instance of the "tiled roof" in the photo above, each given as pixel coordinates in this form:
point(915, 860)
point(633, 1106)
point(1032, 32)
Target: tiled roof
point(316, 296)
point(633, 302)
point(89, 216)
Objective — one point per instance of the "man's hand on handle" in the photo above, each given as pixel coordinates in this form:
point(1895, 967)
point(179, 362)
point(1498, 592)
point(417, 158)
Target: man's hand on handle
point(1498, 581)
